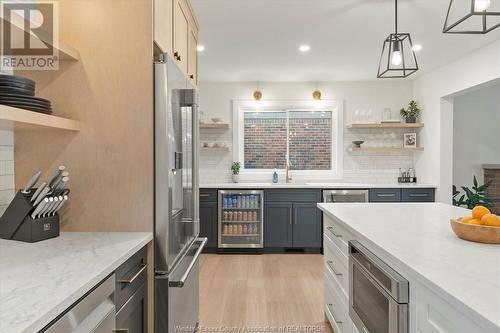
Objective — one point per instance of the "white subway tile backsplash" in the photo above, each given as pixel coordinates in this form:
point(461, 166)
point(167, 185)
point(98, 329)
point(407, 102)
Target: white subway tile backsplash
point(6, 153)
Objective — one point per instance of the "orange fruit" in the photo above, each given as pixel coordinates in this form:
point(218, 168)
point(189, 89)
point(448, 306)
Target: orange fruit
point(479, 211)
point(475, 221)
point(466, 219)
point(491, 220)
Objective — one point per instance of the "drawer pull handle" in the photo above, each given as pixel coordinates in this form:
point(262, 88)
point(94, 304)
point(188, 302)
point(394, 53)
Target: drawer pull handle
point(204, 195)
point(141, 268)
point(387, 195)
point(330, 263)
point(333, 232)
point(330, 305)
point(419, 195)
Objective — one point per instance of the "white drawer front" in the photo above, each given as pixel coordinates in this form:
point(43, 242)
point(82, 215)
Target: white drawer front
point(336, 307)
point(338, 234)
point(337, 263)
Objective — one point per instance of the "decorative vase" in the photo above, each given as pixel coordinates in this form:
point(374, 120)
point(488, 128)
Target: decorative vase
point(411, 120)
point(235, 178)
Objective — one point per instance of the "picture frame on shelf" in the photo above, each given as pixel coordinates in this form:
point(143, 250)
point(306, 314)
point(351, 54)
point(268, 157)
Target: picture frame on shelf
point(410, 140)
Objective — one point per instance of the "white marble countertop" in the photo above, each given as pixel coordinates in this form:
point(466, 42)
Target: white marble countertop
point(313, 185)
point(418, 237)
point(38, 281)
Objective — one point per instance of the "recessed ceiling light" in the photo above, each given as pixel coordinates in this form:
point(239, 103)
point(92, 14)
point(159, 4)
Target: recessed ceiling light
point(200, 48)
point(304, 48)
point(417, 47)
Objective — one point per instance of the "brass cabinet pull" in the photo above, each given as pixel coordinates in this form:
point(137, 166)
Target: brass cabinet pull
point(141, 268)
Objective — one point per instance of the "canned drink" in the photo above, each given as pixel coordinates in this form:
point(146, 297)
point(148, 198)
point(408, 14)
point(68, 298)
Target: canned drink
point(225, 216)
point(240, 229)
point(230, 216)
point(245, 216)
point(240, 216)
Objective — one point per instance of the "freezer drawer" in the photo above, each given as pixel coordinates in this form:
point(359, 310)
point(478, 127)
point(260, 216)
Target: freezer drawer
point(177, 294)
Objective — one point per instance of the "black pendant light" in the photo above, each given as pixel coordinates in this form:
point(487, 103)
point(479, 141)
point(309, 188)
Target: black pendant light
point(472, 17)
point(398, 59)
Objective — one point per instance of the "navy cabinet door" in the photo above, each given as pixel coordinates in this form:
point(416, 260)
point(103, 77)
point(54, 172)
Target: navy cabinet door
point(306, 225)
point(208, 223)
point(278, 224)
point(132, 317)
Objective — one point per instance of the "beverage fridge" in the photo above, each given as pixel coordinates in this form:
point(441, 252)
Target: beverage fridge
point(241, 216)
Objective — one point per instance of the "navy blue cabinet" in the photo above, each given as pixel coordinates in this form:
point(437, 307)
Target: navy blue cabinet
point(208, 218)
point(402, 195)
point(291, 219)
point(385, 195)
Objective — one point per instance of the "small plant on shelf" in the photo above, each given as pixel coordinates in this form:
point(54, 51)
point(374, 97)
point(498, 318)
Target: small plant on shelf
point(472, 197)
point(412, 113)
point(235, 168)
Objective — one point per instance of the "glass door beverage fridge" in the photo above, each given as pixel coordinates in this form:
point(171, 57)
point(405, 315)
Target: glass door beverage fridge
point(240, 219)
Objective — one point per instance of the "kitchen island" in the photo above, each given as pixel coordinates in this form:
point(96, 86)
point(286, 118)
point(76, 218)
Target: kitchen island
point(39, 281)
point(454, 285)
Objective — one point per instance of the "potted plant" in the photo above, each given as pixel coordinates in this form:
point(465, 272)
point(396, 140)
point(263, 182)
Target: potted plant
point(235, 168)
point(411, 114)
point(472, 197)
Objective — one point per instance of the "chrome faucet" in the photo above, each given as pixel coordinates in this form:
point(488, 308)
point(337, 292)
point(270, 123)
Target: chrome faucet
point(288, 177)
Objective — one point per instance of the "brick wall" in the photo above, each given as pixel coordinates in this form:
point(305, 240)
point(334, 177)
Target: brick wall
point(309, 143)
point(493, 192)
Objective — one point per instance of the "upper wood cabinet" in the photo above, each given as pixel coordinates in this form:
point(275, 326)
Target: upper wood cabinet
point(163, 25)
point(176, 33)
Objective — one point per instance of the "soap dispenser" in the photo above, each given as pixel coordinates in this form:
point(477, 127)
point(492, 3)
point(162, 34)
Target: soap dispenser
point(275, 176)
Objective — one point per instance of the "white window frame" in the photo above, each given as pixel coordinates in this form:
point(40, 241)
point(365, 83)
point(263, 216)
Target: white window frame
point(337, 150)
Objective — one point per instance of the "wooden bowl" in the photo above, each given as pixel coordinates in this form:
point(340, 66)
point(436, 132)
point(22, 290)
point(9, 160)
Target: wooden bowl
point(476, 233)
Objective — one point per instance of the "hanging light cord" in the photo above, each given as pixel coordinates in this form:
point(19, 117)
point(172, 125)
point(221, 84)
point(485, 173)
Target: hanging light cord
point(396, 15)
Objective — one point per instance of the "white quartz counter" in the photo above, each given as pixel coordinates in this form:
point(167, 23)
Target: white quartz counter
point(419, 238)
point(312, 185)
point(38, 281)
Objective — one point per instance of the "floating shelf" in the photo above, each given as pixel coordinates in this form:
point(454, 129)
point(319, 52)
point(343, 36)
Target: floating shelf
point(20, 119)
point(66, 52)
point(212, 149)
point(214, 126)
point(386, 149)
point(386, 125)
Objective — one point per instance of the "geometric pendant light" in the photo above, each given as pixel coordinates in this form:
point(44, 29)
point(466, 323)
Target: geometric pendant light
point(398, 59)
point(472, 16)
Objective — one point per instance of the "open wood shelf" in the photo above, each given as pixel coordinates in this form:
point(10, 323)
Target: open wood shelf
point(214, 126)
point(20, 119)
point(386, 125)
point(212, 149)
point(66, 52)
point(386, 149)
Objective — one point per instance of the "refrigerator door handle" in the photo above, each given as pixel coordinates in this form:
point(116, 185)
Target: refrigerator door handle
point(180, 283)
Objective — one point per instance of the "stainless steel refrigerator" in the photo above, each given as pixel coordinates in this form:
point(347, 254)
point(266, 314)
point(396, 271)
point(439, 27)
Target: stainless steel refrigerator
point(177, 246)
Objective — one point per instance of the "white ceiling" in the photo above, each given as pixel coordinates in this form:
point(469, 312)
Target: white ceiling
point(258, 40)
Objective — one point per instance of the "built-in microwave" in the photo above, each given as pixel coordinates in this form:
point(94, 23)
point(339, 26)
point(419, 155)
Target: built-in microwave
point(378, 295)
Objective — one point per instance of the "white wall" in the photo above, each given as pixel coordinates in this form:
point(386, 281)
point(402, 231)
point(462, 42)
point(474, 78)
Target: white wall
point(216, 101)
point(476, 139)
point(435, 91)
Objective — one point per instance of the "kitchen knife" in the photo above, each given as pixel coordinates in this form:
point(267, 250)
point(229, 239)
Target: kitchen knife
point(59, 203)
point(60, 185)
point(42, 195)
point(39, 208)
point(38, 191)
point(65, 198)
point(58, 180)
point(56, 174)
point(31, 182)
point(47, 207)
point(51, 208)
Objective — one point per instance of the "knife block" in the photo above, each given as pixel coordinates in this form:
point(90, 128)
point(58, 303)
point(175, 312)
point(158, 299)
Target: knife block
point(17, 224)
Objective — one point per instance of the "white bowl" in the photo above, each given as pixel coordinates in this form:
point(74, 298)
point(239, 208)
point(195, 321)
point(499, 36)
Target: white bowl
point(217, 120)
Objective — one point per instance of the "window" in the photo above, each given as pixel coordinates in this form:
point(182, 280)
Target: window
point(309, 136)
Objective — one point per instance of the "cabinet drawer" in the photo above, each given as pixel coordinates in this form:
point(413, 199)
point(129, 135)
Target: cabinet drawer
point(132, 317)
point(208, 195)
point(293, 195)
point(418, 195)
point(336, 263)
point(385, 195)
point(338, 234)
point(130, 276)
point(336, 305)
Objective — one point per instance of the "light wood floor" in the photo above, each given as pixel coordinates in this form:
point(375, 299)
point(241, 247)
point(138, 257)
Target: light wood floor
point(264, 291)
